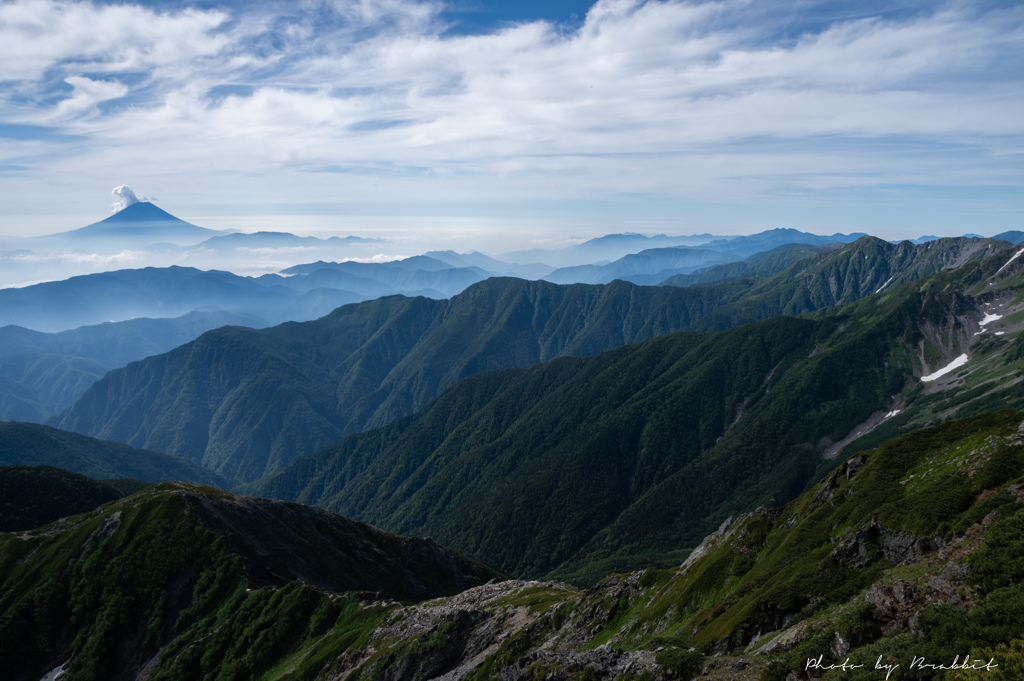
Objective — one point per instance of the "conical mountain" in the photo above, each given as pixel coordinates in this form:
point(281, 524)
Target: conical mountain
point(141, 221)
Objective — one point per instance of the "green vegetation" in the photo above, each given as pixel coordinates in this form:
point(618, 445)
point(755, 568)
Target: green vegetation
point(680, 664)
point(155, 579)
point(245, 403)
point(567, 468)
point(31, 496)
point(42, 374)
point(759, 265)
point(31, 444)
point(626, 458)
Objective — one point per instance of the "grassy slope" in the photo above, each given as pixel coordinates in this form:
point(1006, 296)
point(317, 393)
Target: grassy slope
point(146, 581)
point(954, 492)
point(44, 373)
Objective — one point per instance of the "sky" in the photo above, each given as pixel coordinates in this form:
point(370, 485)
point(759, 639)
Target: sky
point(516, 124)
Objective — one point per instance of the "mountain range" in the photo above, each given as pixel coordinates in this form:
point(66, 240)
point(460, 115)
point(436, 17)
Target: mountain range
point(905, 554)
point(792, 462)
point(615, 246)
point(31, 444)
point(42, 374)
point(296, 388)
point(652, 266)
point(509, 466)
point(308, 292)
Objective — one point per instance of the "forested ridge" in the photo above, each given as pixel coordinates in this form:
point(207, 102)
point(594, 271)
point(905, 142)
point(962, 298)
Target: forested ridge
point(244, 403)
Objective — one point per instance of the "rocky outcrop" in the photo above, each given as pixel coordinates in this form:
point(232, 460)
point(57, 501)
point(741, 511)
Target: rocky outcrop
point(507, 622)
point(711, 542)
point(847, 469)
point(873, 542)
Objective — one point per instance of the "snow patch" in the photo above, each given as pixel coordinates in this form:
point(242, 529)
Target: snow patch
point(989, 318)
point(1000, 333)
point(885, 284)
point(54, 673)
point(955, 364)
point(1009, 261)
point(892, 413)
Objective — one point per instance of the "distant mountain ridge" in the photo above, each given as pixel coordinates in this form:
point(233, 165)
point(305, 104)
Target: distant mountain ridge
point(267, 239)
point(760, 265)
point(614, 246)
point(42, 374)
point(32, 444)
point(367, 364)
point(580, 467)
point(310, 291)
point(651, 266)
point(607, 247)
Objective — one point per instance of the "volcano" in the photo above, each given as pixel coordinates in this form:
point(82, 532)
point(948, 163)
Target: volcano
point(145, 222)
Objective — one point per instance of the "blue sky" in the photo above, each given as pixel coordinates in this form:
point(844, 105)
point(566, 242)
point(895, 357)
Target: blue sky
point(529, 123)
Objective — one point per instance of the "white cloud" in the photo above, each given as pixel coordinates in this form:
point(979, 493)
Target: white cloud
point(126, 197)
point(86, 95)
point(37, 35)
point(671, 98)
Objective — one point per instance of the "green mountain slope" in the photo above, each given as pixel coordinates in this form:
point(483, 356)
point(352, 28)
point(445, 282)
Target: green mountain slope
point(42, 374)
point(130, 586)
point(759, 265)
point(910, 550)
point(523, 467)
point(866, 267)
point(247, 402)
point(35, 445)
point(582, 466)
point(908, 555)
point(36, 495)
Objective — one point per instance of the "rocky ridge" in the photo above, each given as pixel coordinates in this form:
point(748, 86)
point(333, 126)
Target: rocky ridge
point(895, 574)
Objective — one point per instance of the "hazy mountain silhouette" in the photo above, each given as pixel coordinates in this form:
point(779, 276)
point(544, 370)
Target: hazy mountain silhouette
point(142, 221)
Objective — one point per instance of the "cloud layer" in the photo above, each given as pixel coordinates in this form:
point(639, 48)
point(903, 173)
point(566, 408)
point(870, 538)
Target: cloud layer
point(383, 102)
